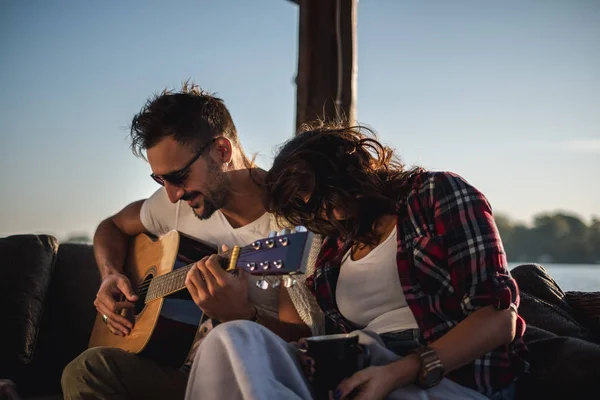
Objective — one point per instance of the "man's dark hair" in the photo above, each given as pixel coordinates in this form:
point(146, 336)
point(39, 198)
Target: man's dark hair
point(192, 116)
point(335, 166)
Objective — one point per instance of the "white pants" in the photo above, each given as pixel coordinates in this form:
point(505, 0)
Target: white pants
point(244, 360)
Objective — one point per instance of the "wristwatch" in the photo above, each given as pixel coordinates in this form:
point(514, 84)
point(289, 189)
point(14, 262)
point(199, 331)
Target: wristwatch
point(432, 370)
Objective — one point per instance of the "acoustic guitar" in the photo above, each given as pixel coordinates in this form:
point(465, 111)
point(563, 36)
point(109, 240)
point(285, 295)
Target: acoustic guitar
point(166, 320)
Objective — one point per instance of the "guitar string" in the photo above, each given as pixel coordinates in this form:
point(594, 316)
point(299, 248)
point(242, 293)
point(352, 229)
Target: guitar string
point(143, 288)
point(175, 272)
point(174, 276)
point(179, 272)
point(183, 270)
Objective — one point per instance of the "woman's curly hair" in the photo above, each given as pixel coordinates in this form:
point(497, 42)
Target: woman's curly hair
point(334, 166)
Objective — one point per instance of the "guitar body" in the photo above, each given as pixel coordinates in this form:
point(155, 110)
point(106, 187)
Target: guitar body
point(165, 328)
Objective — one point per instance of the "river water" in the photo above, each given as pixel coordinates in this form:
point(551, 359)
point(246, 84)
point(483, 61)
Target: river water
point(580, 277)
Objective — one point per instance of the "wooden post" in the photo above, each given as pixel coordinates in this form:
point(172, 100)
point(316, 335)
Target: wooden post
point(326, 77)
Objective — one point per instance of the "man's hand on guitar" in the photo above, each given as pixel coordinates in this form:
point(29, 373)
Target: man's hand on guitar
point(219, 294)
point(115, 286)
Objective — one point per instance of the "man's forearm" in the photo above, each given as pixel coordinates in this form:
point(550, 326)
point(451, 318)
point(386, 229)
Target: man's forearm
point(110, 248)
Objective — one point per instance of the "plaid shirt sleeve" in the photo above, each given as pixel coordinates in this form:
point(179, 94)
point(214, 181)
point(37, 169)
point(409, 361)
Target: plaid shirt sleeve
point(479, 276)
point(476, 258)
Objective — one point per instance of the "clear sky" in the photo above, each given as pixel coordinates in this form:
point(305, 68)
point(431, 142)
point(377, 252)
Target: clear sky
point(505, 93)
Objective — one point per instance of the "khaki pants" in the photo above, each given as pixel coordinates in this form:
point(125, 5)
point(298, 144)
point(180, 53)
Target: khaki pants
point(109, 373)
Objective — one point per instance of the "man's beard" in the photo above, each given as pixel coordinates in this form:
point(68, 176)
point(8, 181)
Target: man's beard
point(208, 209)
point(216, 196)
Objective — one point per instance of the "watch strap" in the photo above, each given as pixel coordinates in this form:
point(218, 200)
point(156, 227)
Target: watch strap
point(430, 364)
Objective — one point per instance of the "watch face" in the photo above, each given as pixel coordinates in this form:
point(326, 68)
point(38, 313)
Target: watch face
point(433, 377)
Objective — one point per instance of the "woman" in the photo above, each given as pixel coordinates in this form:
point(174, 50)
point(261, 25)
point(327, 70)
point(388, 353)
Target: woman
point(407, 254)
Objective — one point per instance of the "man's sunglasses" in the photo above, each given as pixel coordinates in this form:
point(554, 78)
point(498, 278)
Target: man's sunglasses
point(177, 178)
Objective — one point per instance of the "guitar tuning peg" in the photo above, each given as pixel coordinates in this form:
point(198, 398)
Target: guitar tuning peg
point(300, 228)
point(286, 231)
point(262, 284)
point(288, 281)
point(272, 234)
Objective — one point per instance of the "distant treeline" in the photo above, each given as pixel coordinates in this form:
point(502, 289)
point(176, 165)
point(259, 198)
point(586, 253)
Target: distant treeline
point(553, 238)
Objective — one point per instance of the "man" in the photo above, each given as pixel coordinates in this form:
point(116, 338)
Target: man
point(209, 191)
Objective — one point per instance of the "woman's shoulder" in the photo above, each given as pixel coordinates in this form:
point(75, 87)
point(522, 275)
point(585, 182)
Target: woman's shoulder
point(427, 188)
point(427, 182)
point(431, 178)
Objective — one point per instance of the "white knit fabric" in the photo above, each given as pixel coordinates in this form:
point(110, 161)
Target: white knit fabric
point(301, 296)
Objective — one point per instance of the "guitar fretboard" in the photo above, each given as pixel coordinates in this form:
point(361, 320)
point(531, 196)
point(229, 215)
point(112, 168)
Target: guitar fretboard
point(167, 284)
point(174, 281)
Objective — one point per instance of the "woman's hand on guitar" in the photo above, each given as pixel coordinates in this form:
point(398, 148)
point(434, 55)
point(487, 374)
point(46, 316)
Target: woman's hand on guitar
point(219, 294)
point(114, 286)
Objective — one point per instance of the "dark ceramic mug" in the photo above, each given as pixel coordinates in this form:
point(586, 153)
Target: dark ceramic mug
point(336, 357)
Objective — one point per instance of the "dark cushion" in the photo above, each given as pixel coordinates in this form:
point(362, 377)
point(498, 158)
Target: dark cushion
point(562, 367)
point(26, 263)
point(68, 319)
point(586, 308)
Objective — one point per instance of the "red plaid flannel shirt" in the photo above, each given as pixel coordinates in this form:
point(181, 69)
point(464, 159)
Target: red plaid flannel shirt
point(451, 262)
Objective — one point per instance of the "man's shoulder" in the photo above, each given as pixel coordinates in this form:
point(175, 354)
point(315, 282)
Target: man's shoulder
point(158, 202)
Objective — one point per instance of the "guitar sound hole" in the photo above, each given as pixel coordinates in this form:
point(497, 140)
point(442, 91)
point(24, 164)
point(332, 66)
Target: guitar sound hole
point(141, 302)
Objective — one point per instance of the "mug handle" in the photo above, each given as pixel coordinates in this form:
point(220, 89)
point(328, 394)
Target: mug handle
point(366, 356)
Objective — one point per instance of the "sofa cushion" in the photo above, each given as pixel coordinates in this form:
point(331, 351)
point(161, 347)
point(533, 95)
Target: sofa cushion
point(68, 319)
point(586, 308)
point(26, 263)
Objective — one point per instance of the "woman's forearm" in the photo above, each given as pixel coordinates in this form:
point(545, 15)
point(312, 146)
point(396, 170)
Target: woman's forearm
point(478, 334)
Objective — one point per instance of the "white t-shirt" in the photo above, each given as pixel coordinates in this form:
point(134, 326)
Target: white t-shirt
point(369, 293)
point(159, 216)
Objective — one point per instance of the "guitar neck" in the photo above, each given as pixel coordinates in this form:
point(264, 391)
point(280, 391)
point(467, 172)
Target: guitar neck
point(174, 281)
point(279, 255)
